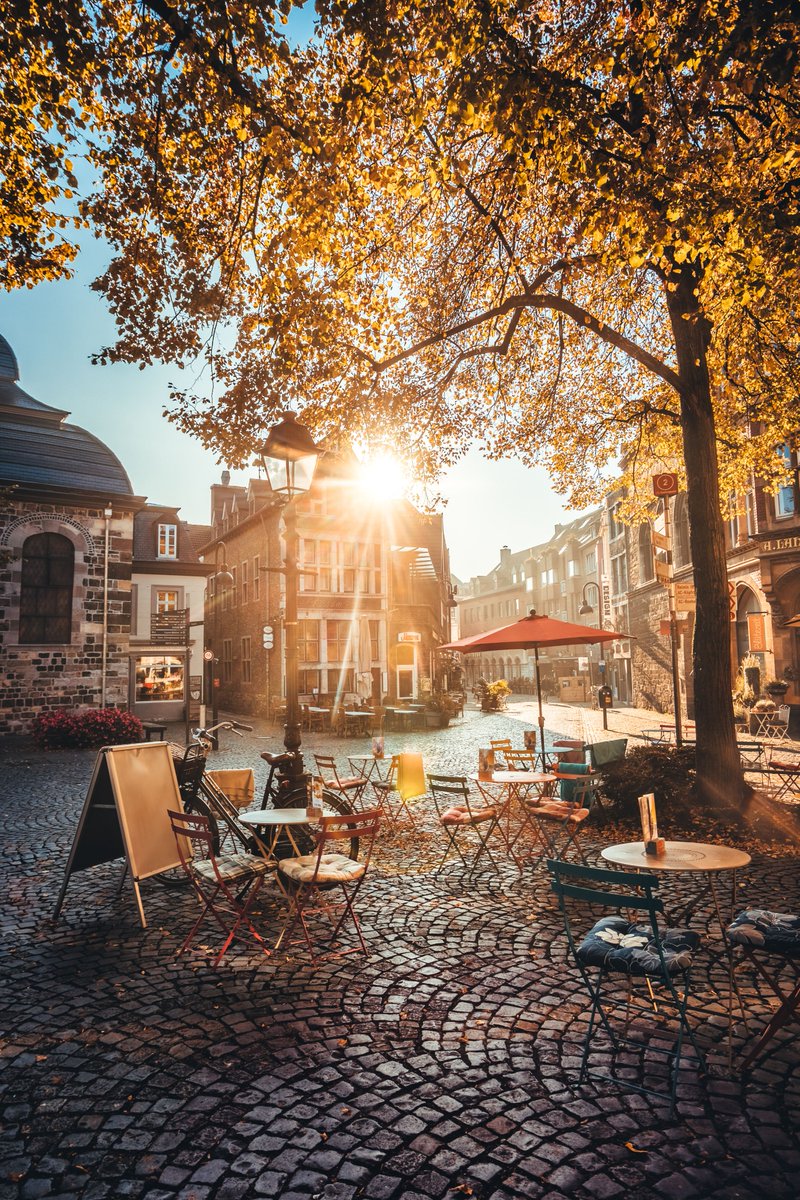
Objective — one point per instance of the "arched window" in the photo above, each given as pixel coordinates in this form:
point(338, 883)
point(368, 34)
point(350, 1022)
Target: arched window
point(747, 604)
point(45, 606)
point(682, 552)
point(646, 568)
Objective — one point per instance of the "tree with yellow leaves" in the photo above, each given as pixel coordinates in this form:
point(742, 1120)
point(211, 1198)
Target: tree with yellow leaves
point(566, 231)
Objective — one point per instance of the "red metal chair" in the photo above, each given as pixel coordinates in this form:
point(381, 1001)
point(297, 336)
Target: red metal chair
point(458, 812)
point(350, 787)
point(311, 877)
point(226, 885)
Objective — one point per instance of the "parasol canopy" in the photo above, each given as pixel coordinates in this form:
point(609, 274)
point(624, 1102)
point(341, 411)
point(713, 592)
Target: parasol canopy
point(531, 633)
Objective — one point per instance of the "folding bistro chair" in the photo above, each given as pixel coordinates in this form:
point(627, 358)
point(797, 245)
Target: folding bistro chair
point(310, 877)
point(226, 885)
point(521, 760)
point(350, 787)
point(636, 951)
point(502, 748)
point(457, 813)
point(559, 820)
point(757, 931)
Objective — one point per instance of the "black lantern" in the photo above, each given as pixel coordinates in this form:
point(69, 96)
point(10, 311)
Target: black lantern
point(289, 457)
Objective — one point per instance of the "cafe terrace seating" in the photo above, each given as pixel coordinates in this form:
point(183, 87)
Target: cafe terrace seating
point(760, 934)
point(634, 950)
point(463, 818)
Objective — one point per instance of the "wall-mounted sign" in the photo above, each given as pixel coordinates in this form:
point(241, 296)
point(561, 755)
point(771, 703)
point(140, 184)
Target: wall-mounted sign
point(416, 638)
point(776, 545)
point(605, 597)
point(665, 484)
point(663, 571)
point(685, 596)
point(660, 541)
point(168, 629)
point(732, 599)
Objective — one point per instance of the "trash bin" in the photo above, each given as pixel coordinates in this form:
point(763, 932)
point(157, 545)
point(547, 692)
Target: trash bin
point(605, 697)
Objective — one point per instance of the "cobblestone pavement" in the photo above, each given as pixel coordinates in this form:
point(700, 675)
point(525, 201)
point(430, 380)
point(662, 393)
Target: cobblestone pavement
point(441, 1066)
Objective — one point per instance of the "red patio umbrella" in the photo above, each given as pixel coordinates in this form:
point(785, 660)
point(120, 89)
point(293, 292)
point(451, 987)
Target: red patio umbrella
point(530, 633)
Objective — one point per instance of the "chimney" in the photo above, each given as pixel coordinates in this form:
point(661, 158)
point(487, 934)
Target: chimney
point(226, 478)
point(505, 555)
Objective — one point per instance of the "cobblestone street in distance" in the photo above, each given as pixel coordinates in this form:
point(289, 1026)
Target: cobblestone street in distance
point(442, 1066)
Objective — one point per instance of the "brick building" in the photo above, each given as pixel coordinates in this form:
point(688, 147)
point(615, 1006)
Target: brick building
point(66, 541)
point(374, 591)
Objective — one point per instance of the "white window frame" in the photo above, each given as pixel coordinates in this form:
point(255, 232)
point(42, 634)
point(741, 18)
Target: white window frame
point(168, 537)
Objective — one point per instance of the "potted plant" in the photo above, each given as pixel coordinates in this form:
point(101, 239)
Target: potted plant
point(491, 696)
point(751, 671)
point(438, 711)
point(776, 688)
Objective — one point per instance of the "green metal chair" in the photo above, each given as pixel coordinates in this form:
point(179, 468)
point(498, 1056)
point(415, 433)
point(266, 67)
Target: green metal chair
point(642, 951)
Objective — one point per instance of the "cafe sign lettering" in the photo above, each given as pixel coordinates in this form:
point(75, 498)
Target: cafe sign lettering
point(776, 545)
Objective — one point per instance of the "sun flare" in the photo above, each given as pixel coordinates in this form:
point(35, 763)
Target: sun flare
point(384, 478)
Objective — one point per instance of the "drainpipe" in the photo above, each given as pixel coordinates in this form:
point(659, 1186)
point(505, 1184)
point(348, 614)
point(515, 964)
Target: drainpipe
point(107, 513)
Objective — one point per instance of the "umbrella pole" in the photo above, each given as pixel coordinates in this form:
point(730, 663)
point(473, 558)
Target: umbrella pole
point(541, 714)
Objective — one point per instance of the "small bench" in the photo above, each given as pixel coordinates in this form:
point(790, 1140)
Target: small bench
point(151, 729)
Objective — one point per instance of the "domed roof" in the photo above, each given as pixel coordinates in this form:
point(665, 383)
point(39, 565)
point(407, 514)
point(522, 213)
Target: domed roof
point(39, 449)
point(8, 361)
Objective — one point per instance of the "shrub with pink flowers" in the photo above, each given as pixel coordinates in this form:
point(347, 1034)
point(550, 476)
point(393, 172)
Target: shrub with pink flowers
point(66, 728)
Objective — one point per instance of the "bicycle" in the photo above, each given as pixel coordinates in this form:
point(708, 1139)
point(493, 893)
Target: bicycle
point(286, 787)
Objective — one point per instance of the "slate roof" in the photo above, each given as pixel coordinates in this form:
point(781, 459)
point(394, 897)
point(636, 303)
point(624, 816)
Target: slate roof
point(39, 448)
point(145, 535)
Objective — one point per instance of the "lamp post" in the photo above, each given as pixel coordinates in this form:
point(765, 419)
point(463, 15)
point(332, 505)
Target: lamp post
point(584, 611)
point(222, 578)
point(289, 458)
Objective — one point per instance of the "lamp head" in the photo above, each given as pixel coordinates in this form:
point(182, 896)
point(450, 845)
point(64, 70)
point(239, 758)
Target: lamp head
point(585, 609)
point(289, 457)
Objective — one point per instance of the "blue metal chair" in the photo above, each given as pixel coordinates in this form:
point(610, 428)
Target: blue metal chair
point(756, 932)
point(636, 950)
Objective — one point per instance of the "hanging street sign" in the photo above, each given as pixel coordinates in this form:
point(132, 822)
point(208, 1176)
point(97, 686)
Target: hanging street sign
point(663, 571)
point(660, 540)
point(665, 484)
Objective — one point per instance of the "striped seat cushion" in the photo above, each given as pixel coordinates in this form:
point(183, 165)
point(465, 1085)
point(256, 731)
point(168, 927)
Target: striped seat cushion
point(232, 866)
point(560, 810)
point(333, 868)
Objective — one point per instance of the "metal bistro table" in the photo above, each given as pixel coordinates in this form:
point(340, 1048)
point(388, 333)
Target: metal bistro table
point(695, 858)
point(370, 766)
point(276, 820)
point(515, 786)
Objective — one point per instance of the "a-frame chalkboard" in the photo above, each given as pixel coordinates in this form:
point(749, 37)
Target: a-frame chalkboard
point(125, 815)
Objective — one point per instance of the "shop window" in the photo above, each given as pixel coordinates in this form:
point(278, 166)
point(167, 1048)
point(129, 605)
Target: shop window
point(168, 541)
point(45, 604)
point(158, 677)
point(246, 661)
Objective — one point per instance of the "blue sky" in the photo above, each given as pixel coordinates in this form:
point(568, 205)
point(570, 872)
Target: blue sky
point(55, 327)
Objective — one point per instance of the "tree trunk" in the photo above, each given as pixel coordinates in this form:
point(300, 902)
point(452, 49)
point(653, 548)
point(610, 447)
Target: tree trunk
point(718, 762)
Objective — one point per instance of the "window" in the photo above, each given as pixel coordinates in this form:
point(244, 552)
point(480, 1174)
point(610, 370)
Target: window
point(308, 681)
point(309, 550)
point(619, 574)
point(158, 677)
point(325, 554)
point(246, 665)
point(337, 636)
point(647, 571)
point(348, 554)
point(245, 583)
point(615, 526)
point(256, 578)
point(45, 604)
point(529, 584)
point(785, 498)
point(234, 587)
point(166, 600)
point(227, 660)
point(572, 569)
point(308, 641)
point(168, 541)
point(134, 608)
point(590, 562)
point(374, 640)
point(324, 579)
point(349, 577)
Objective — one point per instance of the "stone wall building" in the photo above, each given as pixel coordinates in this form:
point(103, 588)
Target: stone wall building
point(66, 544)
point(374, 592)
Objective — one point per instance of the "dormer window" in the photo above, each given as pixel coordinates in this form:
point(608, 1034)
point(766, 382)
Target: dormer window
point(168, 541)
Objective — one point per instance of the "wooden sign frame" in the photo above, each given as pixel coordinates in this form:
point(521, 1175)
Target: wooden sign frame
point(125, 816)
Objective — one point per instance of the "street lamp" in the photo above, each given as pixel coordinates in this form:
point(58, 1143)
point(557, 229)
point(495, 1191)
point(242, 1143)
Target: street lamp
point(222, 578)
point(584, 611)
point(289, 458)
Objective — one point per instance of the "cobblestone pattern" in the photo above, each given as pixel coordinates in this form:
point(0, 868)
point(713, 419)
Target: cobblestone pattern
point(442, 1066)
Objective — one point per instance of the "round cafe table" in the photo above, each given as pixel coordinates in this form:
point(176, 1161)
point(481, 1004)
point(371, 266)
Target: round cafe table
point(514, 786)
point(276, 820)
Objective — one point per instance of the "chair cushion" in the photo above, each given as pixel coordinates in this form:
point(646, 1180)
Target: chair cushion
point(778, 933)
point(232, 866)
point(560, 810)
point(460, 814)
point(615, 944)
point(352, 781)
point(792, 767)
point(333, 868)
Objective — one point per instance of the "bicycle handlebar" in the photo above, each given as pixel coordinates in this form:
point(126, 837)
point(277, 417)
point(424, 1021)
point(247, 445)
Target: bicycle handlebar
point(237, 727)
